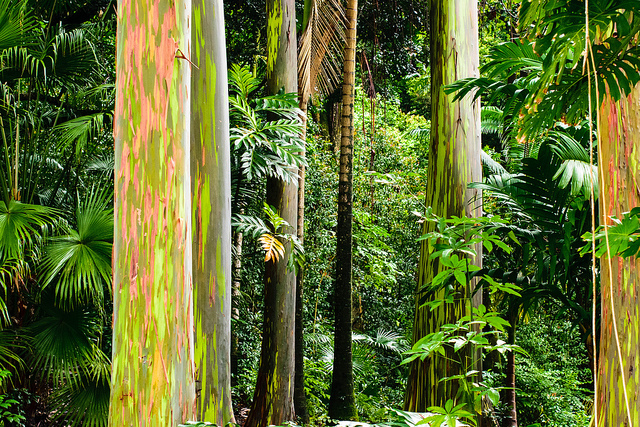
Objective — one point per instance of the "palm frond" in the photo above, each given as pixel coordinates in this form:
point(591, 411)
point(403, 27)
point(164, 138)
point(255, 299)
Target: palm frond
point(491, 120)
point(10, 344)
point(80, 130)
point(492, 165)
point(273, 248)
point(242, 81)
point(386, 340)
point(80, 262)
point(576, 168)
point(16, 24)
point(562, 85)
point(63, 341)
point(420, 134)
point(63, 56)
point(84, 401)
point(321, 47)
point(21, 226)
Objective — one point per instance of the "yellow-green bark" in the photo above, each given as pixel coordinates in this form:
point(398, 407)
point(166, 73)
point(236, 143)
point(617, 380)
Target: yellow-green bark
point(619, 173)
point(152, 372)
point(454, 161)
point(211, 191)
point(273, 396)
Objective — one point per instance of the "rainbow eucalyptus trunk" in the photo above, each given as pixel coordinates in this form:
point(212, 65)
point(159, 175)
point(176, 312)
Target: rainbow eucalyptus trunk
point(454, 161)
point(342, 401)
point(619, 278)
point(153, 363)
point(273, 396)
point(211, 191)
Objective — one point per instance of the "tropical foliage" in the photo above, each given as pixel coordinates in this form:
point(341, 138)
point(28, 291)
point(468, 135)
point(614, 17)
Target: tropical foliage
point(546, 67)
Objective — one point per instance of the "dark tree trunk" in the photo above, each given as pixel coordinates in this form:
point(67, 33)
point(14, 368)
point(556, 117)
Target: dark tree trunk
point(342, 400)
point(273, 396)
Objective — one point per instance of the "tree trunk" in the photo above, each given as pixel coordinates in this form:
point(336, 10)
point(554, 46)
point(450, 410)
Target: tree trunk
point(299, 396)
point(454, 161)
point(511, 418)
point(273, 396)
point(153, 362)
point(342, 400)
point(235, 301)
point(618, 362)
point(211, 192)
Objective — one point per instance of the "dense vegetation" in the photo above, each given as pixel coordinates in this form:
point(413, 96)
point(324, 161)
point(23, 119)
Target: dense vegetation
point(534, 333)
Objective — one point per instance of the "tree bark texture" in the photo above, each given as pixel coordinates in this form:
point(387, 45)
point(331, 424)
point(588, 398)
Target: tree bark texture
point(511, 416)
point(299, 396)
point(273, 396)
point(211, 190)
point(454, 161)
point(153, 362)
point(342, 400)
point(619, 172)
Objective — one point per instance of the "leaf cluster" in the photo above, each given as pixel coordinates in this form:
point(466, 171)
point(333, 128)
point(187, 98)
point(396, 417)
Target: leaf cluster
point(620, 239)
point(265, 132)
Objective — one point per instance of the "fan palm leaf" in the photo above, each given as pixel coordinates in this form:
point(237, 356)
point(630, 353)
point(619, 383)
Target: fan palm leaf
point(63, 341)
point(576, 168)
point(23, 225)
point(79, 263)
point(80, 130)
point(10, 343)
point(85, 399)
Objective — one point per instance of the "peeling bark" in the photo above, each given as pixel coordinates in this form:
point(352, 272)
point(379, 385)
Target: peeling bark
point(152, 378)
point(619, 171)
point(454, 161)
point(211, 191)
point(273, 396)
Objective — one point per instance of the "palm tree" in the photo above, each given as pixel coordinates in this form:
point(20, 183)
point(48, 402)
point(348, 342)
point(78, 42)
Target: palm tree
point(342, 400)
point(58, 283)
point(319, 58)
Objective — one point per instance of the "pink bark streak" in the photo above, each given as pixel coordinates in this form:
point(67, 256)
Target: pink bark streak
point(620, 166)
point(152, 373)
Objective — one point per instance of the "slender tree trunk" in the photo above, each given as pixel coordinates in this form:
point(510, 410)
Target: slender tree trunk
point(299, 396)
point(342, 401)
point(273, 396)
point(335, 117)
point(152, 374)
point(235, 297)
point(211, 192)
point(454, 161)
point(511, 420)
point(618, 359)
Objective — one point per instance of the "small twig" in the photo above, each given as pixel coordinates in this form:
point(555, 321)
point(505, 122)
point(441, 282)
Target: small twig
point(180, 55)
